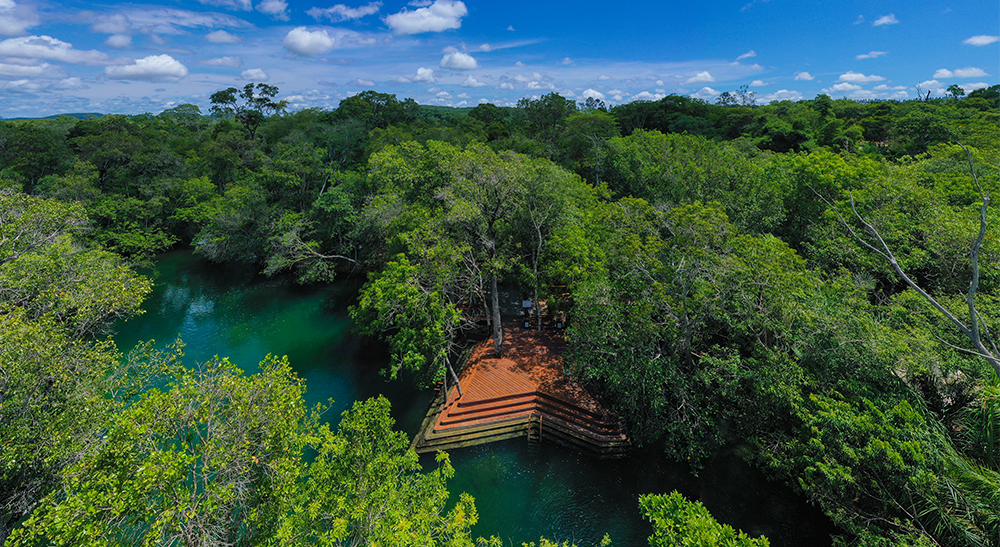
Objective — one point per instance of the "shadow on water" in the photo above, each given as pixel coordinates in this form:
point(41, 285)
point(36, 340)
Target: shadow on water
point(521, 493)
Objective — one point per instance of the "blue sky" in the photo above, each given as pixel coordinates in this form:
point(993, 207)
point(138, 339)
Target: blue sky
point(66, 56)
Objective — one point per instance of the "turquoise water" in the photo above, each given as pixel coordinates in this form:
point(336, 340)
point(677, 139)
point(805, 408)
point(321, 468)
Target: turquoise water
point(521, 492)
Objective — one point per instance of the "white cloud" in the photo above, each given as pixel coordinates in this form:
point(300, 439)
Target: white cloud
point(858, 78)
point(255, 74)
point(424, 75)
point(16, 19)
point(47, 47)
point(781, 95)
point(443, 95)
point(118, 41)
point(886, 20)
point(440, 16)
point(237, 5)
point(659, 82)
point(70, 84)
point(155, 68)
point(222, 37)
point(973, 86)
point(967, 72)
point(112, 24)
point(459, 61)
point(567, 61)
point(758, 83)
point(803, 76)
point(647, 96)
point(930, 84)
point(23, 71)
point(234, 62)
point(307, 43)
point(464, 96)
point(361, 82)
point(704, 93)
point(981, 40)
point(510, 28)
point(842, 87)
point(340, 12)
point(883, 87)
point(593, 94)
point(700, 77)
point(449, 49)
point(747, 55)
point(485, 47)
point(274, 8)
point(23, 86)
point(472, 82)
point(506, 85)
point(519, 63)
point(533, 85)
point(859, 20)
point(871, 55)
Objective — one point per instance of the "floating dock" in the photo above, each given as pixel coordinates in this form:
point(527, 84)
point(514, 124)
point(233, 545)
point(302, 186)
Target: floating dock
point(524, 394)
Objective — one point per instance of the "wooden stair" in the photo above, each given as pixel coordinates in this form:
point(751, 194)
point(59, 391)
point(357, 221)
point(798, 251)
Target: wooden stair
point(504, 399)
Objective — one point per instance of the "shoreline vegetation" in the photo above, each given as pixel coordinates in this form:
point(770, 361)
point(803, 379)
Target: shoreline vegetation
point(722, 269)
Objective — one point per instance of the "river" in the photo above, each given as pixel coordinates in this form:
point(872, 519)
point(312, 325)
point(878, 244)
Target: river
point(521, 492)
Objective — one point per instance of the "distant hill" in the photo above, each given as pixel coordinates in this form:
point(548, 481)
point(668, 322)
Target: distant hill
point(77, 115)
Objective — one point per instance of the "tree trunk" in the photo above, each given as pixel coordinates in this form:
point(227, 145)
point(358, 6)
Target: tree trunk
point(497, 330)
point(457, 383)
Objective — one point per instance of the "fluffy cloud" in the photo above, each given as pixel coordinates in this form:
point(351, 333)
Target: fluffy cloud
point(967, 72)
point(23, 86)
point(155, 68)
point(459, 61)
point(255, 75)
point(506, 85)
point(704, 93)
point(593, 94)
point(871, 55)
point(747, 55)
point(781, 95)
point(302, 41)
point(567, 62)
point(886, 20)
point(16, 19)
point(858, 78)
point(842, 87)
point(233, 62)
point(274, 8)
point(534, 86)
point(70, 84)
point(425, 75)
point(758, 83)
point(118, 41)
point(700, 78)
point(883, 87)
point(222, 37)
point(440, 16)
point(472, 82)
point(47, 47)
point(361, 82)
point(24, 71)
point(340, 12)
point(803, 76)
point(647, 96)
point(485, 47)
point(981, 40)
point(112, 24)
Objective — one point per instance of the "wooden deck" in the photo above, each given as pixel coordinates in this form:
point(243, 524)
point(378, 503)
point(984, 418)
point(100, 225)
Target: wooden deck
point(526, 393)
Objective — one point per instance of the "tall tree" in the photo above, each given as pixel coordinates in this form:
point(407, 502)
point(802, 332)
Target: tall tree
point(250, 106)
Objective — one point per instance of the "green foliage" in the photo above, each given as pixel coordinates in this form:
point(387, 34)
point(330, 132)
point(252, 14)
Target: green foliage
point(365, 486)
point(678, 522)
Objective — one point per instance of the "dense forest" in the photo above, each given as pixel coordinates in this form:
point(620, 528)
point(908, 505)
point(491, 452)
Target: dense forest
point(815, 281)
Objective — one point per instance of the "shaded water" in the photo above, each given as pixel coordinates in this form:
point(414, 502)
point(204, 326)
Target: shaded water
point(521, 492)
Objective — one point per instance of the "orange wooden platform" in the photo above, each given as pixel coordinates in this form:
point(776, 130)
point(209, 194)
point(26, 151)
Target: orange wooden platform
point(525, 393)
